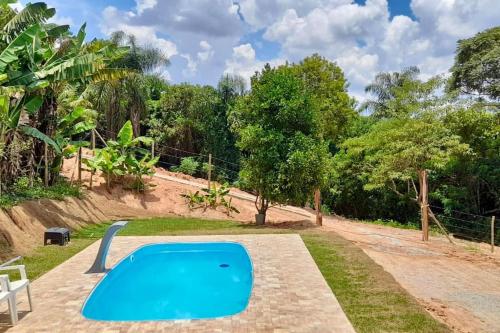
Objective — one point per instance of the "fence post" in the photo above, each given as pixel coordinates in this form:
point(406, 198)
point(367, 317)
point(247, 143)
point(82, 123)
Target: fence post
point(317, 206)
point(80, 164)
point(493, 234)
point(209, 169)
point(153, 150)
point(93, 154)
point(46, 163)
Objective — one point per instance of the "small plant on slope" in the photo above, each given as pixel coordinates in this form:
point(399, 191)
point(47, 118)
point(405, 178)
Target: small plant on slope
point(211, 198)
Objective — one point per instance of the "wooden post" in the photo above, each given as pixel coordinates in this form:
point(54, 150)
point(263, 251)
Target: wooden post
point(101, 138)
point(1, 166)
point(493, 234)
point(424, 205)
point(317, 207)
point(153, 150)
point(46, 160)
point(209, 169)
point(92, 145)
point(80, 164)
point(445, 232)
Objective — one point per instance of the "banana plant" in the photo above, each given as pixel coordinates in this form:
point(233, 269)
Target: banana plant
point(127, 144)
point(35, 59)
point(140, 168)
point(109, 162)
point(120, 158)
point(69, 128)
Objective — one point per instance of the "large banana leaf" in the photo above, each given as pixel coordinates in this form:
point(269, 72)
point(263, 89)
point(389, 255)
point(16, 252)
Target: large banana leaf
point(31, 131)
point(33, 104)
point(35, 13)
point(4, 107)
point(74, 68)
point(110, 74)
point(80, 37)
point(58, 31)
point(126, 134)
point(7, 2)
point(9, 54)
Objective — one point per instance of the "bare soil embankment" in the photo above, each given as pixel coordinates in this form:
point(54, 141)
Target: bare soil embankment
point(22, 227)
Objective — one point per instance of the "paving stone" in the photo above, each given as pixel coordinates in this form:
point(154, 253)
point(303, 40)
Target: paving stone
point(289, 292)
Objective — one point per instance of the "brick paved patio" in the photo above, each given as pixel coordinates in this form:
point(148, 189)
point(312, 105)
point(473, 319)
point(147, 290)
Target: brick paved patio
point(289, 293)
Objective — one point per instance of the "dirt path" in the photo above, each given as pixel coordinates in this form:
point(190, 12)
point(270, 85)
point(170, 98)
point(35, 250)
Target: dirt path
point(459, 284)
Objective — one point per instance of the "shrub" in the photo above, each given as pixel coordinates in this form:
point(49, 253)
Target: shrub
point(211, 198)
point(189, 166)
point(24, 190)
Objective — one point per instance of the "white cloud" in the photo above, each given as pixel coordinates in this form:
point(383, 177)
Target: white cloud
point(142, 5)
point(261, 13)
point(114, 20)
point(206, 52)
point(18, 6)
point(62, 20)
point(207, 37)
point(191, 67)
point(243, 62)
point(364, 40)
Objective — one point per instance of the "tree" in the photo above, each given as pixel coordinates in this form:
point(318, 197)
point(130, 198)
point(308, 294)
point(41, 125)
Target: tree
point(385, 87)
point(127, 98)
point(471, 183)
point(183, 112)
point(325, 82)
point(278, 132)
point(399, 151)
point(231, 86)
point(37, 61)
point(477, 65)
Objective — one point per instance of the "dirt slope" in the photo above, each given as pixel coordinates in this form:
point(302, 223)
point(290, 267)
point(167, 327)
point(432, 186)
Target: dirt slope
point(22, 227)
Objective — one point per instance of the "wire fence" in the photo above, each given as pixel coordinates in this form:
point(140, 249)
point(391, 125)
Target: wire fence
point(171, 159)
point(479, 228)
point(461, 224)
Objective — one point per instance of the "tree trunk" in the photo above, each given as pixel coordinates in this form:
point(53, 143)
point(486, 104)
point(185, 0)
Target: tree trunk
point(424, 203)
point(262, 205)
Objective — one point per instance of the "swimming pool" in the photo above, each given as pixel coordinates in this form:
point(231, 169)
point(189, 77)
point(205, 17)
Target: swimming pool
point(174, 281)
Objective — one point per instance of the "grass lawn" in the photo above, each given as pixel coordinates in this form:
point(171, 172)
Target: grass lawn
point(371, 298)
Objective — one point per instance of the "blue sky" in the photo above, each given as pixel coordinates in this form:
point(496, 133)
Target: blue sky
point(206, 38)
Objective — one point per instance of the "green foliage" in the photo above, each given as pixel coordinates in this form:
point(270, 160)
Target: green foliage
point(194, 118)
point(325, 82)
point(213, 198)
point(396, 149)
point(25, 189)
point(188, 165)
point(120, 158)
point(37, 60)
point(279, 133)
point(477, 64)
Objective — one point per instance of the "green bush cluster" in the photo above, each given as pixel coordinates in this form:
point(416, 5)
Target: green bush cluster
point(211, 198)
point(120, 158)
point(188, 166)
point(26, 189)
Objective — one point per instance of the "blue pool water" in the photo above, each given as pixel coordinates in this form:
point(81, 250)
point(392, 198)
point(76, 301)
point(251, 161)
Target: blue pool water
point(174, 281)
